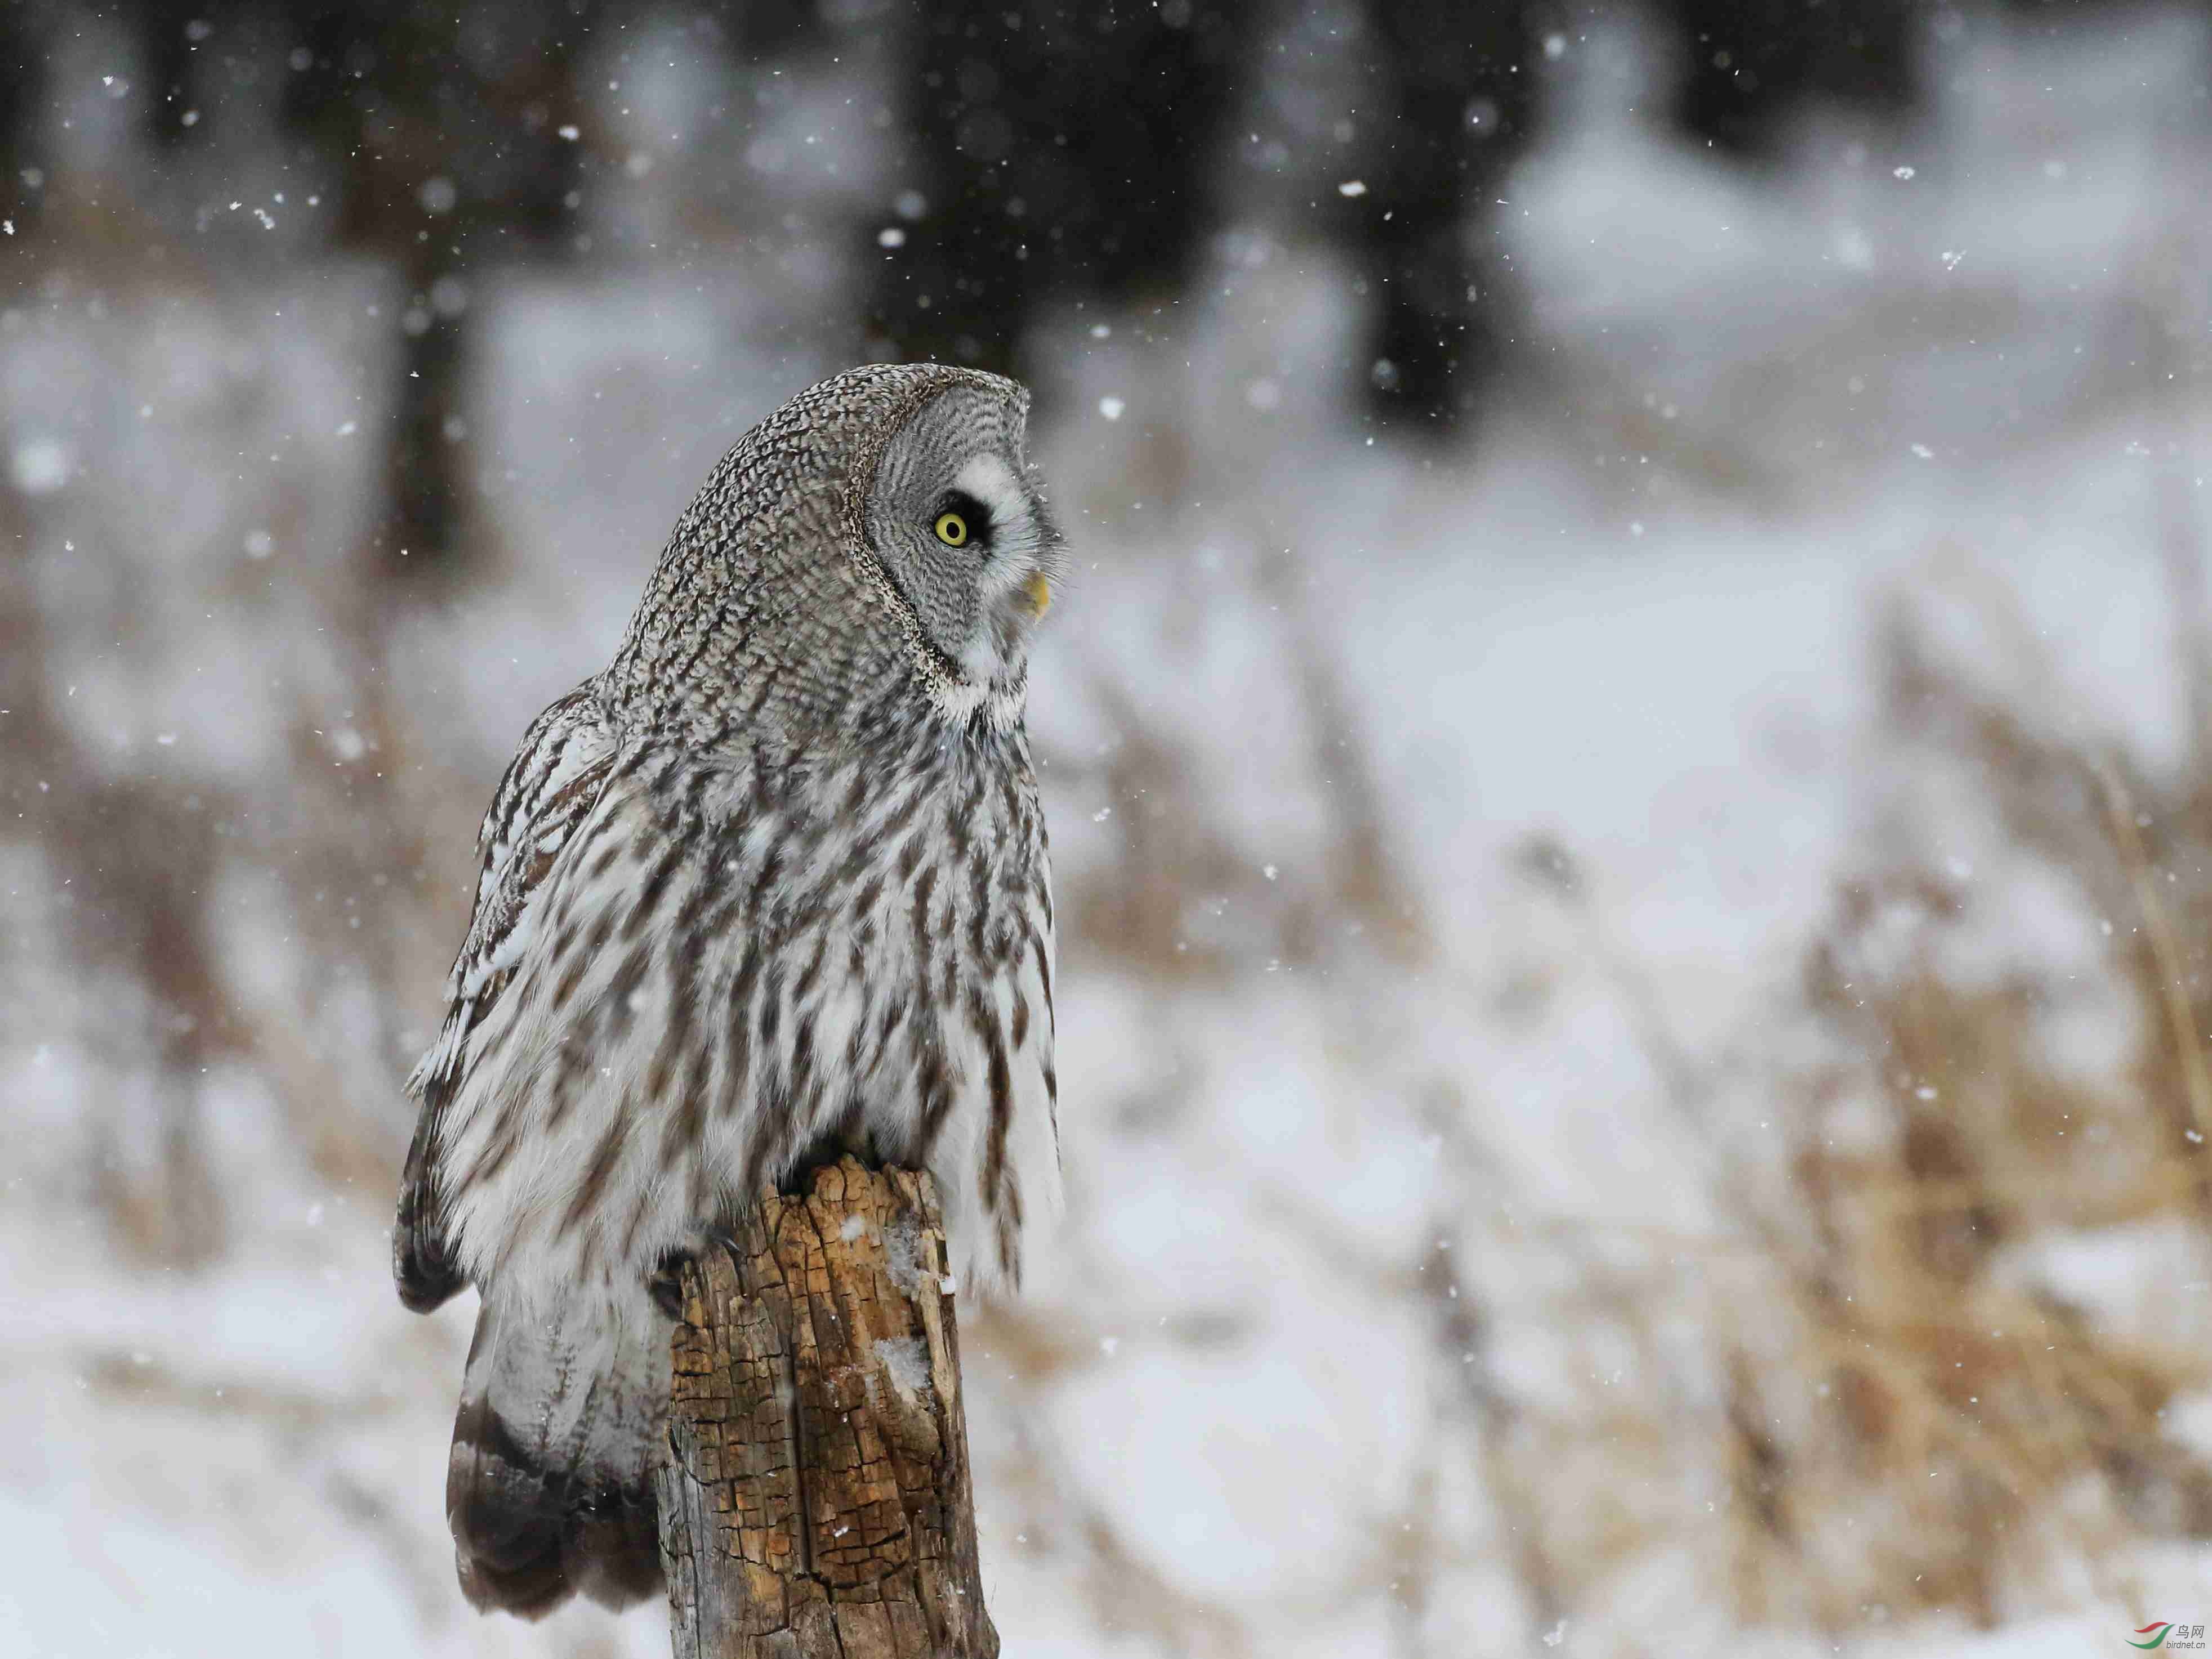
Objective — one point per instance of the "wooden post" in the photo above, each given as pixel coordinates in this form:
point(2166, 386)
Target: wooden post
point(815, 1503)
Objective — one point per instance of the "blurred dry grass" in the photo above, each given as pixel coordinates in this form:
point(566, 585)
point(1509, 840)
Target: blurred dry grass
point(1903, 1419)
point(1861, 1401)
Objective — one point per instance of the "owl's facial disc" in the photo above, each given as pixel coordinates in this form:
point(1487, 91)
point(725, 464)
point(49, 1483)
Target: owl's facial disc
point(962, 531)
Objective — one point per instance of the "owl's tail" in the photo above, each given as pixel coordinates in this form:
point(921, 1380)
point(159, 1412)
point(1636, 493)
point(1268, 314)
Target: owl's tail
point(549, 1488)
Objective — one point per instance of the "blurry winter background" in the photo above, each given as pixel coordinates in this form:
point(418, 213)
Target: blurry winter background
point(1630, 754)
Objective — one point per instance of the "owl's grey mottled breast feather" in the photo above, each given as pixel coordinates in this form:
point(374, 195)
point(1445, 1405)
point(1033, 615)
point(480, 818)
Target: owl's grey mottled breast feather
point(774, 882)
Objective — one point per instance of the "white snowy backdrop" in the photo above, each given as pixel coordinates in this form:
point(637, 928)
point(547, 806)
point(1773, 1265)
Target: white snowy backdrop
point(1635, 1015)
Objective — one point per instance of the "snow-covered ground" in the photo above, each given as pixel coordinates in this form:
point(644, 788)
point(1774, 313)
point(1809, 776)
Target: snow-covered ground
point(1462, 850)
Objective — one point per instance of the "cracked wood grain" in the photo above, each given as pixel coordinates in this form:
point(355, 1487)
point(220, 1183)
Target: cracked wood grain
point(815, 1503)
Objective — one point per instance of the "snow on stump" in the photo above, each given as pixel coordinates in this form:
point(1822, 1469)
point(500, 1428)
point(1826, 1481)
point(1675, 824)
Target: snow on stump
point(815, 1503)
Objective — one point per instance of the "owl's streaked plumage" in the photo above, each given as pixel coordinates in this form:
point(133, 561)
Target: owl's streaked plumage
point(775, 880)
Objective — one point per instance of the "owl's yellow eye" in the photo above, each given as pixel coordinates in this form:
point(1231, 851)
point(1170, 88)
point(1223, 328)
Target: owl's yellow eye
point(952, 530)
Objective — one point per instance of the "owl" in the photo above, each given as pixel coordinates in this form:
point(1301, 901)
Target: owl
point(772, 883)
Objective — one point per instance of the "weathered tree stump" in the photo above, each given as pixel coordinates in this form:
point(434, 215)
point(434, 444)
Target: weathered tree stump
point(815, 1503)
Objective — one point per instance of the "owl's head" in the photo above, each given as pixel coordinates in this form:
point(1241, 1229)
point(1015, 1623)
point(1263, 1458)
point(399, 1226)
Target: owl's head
point(954, 517)
point(880, 534)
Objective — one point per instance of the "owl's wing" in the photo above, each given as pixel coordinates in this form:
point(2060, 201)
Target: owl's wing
point(549, 788)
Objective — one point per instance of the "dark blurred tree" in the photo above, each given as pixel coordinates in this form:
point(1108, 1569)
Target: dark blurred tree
point(451, 135)
point(1065, 148)
point(168, 50)
point(449, 126)
point(22, 84)
point(1753, 64)
point(1058, 147)
point(1449, 83)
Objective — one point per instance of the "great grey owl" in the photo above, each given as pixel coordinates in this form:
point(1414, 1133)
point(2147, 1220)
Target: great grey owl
point(773, 881)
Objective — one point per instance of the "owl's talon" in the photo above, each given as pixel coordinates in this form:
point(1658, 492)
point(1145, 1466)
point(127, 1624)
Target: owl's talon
point(666, 1286)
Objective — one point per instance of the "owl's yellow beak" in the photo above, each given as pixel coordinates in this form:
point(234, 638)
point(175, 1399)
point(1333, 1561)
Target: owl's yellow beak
point(1039, 592)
